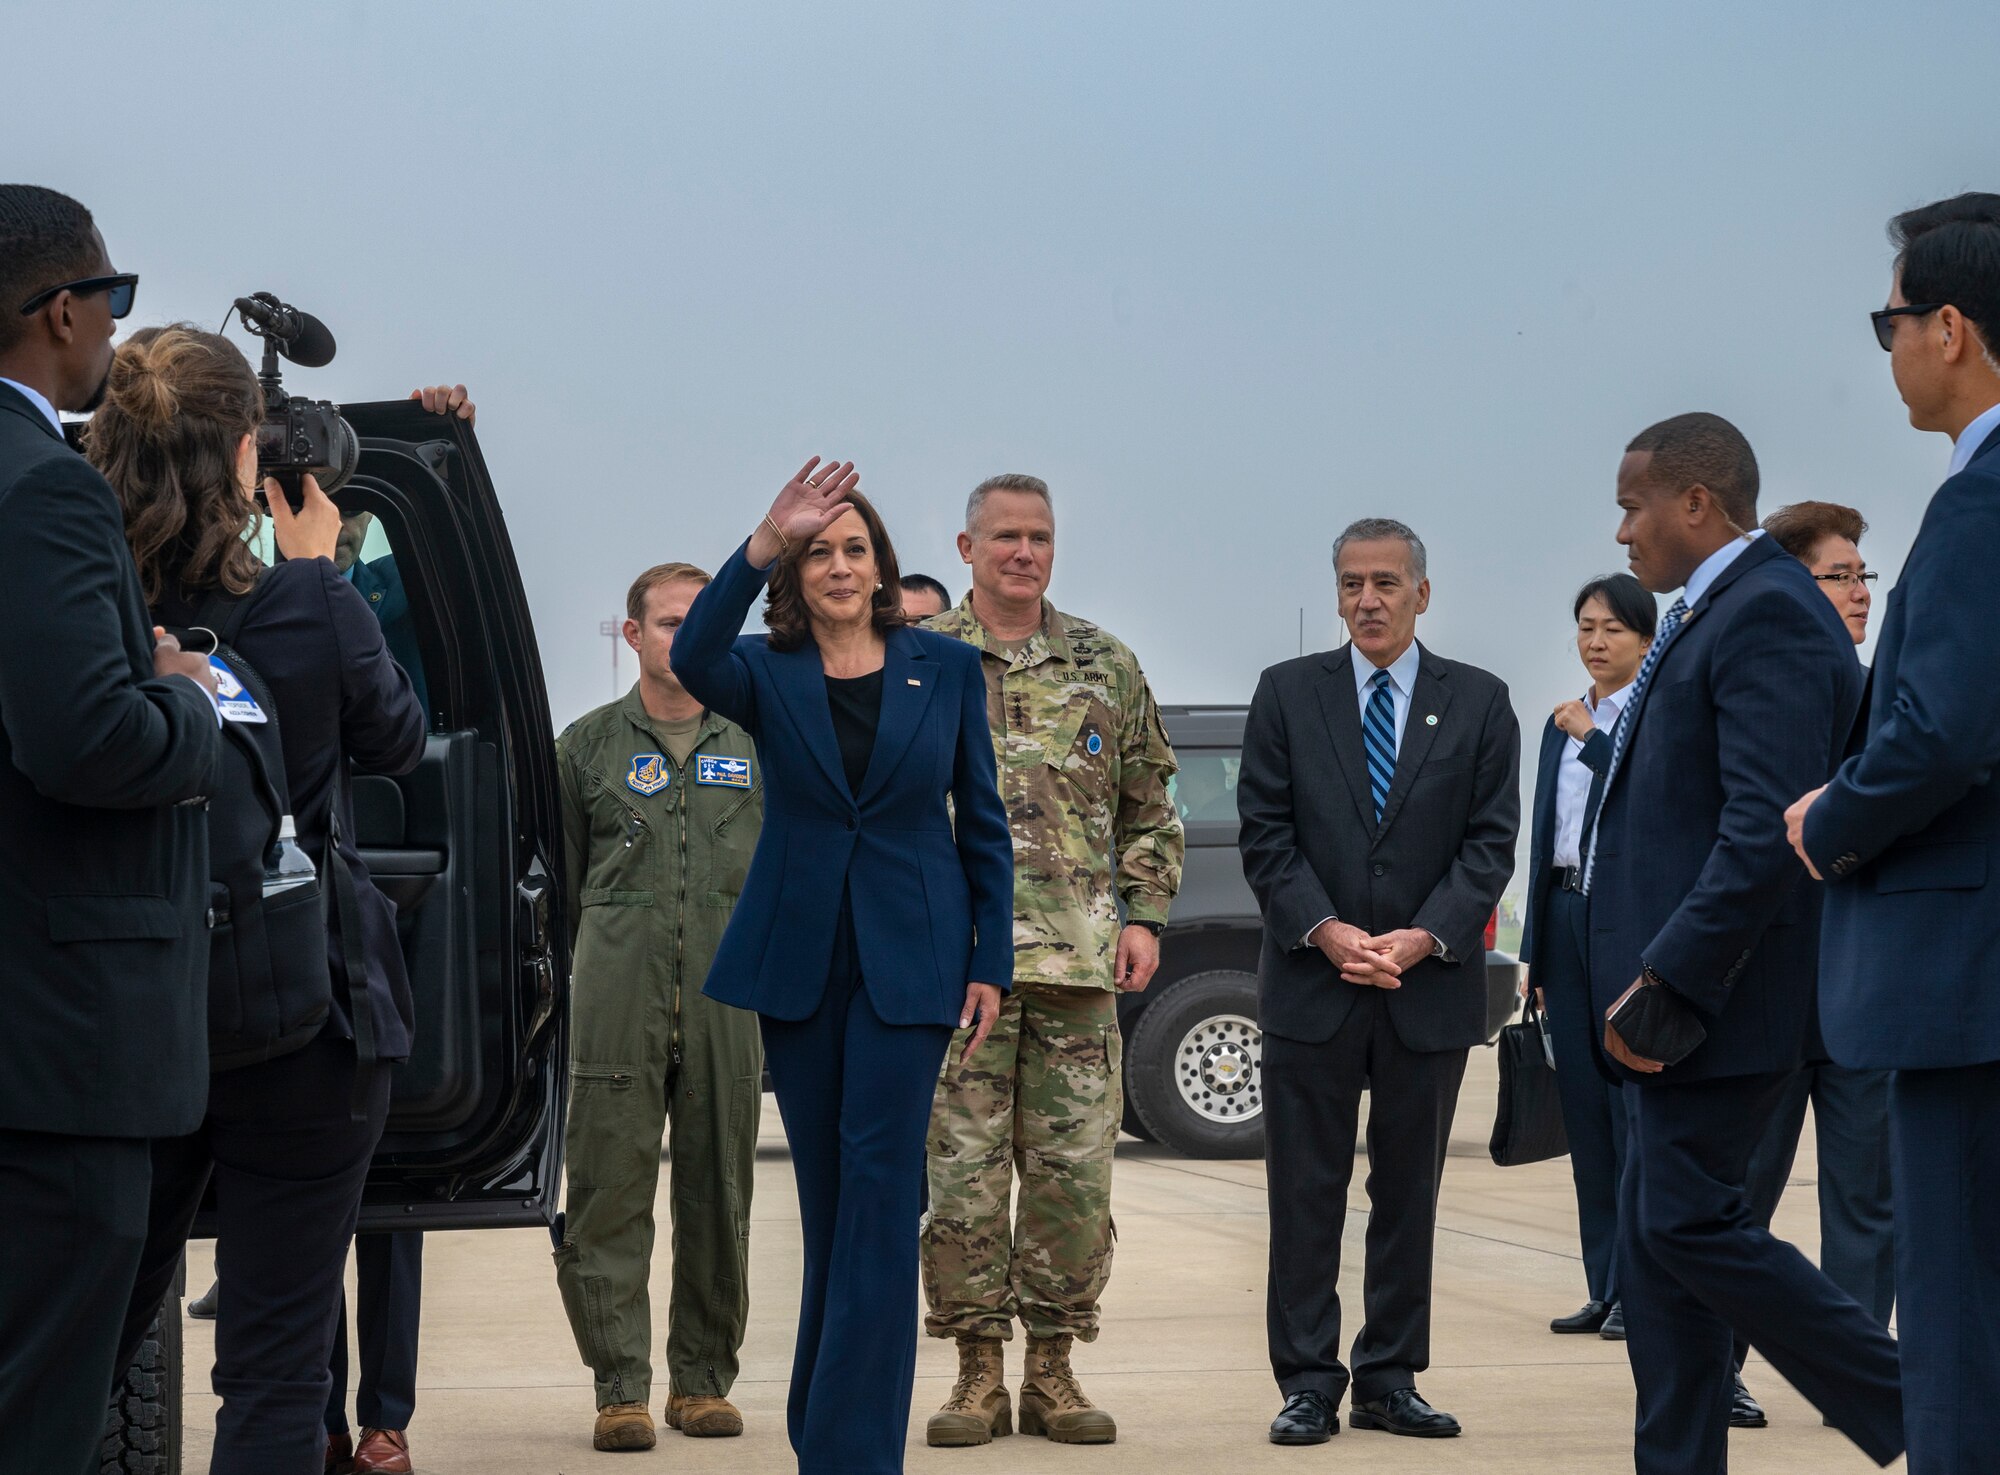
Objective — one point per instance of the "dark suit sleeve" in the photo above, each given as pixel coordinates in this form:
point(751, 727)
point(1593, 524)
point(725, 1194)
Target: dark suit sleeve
point(1596, 754)
point(1288, 890)
point(83, 729)
point(1778, 685)
point(704, 655)
point(1545, 778)
point(985, 841)
point(381, 720)
point(1941, 735)
point(1455, 912)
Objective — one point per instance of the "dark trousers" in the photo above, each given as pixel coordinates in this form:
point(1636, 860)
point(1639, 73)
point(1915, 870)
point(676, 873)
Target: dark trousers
point(1593, 1108)
point(288, 1163)
point(855, 1094)
point(1945, 1129)
point(1312, 1105)
point(388, 1304)
point(72, 1220)
point(1695, 1262)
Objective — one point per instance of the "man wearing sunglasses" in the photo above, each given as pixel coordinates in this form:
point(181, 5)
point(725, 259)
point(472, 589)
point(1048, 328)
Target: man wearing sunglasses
point(1907, 837)
point(107, 736)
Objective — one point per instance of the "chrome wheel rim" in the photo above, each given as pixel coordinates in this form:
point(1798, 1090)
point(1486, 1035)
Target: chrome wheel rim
point(1218, 1069)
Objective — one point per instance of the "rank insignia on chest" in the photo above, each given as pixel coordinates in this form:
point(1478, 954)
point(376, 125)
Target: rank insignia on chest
point(722, 771)
point(649, 774)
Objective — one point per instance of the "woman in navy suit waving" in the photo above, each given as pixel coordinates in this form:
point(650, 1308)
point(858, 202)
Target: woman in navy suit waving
point(870, 926)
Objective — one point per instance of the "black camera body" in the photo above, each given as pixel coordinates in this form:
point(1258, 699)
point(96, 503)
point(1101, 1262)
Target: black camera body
point(299, 437)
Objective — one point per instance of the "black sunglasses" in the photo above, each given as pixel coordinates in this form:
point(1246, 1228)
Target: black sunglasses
point(1884, 319)
point(123, 288)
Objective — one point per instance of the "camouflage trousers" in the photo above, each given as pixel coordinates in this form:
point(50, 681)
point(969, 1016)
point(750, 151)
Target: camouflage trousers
point(1040, 1101)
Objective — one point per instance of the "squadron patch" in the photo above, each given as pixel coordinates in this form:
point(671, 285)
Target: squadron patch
point(232, 697)
point(723, 772)
point(649, 774)
point(1095, 745)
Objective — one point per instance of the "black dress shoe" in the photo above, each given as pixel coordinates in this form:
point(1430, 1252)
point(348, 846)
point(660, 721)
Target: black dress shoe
point(1307, 1418)
point(1745, 1412)
point(1613, 1329)
point(1403, 1412)
point(1587, 1320)
point(202, 1307)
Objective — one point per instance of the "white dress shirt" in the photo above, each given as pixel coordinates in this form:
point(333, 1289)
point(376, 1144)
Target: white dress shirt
point(1402, 683)
point(1573, 777)
point(1710, 569)
point(36, 398)
point(1972, 438)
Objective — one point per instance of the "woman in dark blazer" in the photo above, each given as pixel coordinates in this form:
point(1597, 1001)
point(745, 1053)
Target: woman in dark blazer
point(1615, 619)
point(870, 925)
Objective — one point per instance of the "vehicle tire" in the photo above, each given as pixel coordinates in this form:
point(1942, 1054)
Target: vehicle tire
point(142, 1432)
point(1131, 1122)
point(1194, 1067)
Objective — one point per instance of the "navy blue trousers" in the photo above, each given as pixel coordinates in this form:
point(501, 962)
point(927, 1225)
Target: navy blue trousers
point(1593, 1108)
point(855, 1095)
point(1944, 1128)
point(1694, 1262)
point(388, 1305)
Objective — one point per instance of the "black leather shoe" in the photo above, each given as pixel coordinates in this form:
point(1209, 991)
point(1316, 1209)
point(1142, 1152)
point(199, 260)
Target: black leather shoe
point(1403, 1412)
point(1307, 1418)
point(1587, 1320)
point(1745, 1412)
point(1613, 1329)
point(202, 1307)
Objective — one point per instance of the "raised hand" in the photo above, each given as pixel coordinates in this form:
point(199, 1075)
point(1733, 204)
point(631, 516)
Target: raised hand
point(803, 509)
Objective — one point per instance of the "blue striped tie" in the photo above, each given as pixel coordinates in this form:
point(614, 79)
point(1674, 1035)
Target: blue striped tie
point(1622, 733)
point(1378, 735)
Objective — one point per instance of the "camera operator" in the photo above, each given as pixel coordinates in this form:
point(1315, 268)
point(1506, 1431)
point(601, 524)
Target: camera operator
point(287, 1140)
point(106, 739)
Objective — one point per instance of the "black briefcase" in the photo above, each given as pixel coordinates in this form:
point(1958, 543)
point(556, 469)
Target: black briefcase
point(1529, 1126)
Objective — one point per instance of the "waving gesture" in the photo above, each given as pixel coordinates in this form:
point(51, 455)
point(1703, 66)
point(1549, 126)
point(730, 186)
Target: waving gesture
point(809, 501)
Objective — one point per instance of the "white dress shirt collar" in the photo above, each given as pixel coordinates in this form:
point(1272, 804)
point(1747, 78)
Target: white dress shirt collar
point(1704, 577)
point(1402, 671)
point(1972, 438)
point(36, 398)
point(1611, 706)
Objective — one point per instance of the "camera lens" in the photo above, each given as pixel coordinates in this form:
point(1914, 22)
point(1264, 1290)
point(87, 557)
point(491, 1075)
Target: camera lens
point(345, 459)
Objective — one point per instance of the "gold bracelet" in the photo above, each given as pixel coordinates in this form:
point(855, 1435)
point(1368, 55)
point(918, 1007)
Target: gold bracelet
point(784, 543)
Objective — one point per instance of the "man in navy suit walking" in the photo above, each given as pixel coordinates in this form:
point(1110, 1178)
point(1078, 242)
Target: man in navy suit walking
point(1704, 952)
point(1907, 836)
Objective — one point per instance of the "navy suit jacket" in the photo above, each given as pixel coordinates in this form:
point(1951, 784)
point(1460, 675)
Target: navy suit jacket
point(1908, 832)
point(1596, 756)
point(932, 909)
point(1748, 707)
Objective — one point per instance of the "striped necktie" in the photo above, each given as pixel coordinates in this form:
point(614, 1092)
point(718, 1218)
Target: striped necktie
point(1622, 733)
point(1378, 735)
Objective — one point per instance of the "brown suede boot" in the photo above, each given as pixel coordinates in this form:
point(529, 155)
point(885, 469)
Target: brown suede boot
point(978, 1407)
point(1052, 1401)
point(624, 1426)
point(703, 1416)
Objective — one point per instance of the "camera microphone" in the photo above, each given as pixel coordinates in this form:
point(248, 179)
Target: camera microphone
point(299, 336)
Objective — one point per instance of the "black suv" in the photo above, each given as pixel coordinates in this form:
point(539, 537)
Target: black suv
point(1193, 1053)
point(469, 847)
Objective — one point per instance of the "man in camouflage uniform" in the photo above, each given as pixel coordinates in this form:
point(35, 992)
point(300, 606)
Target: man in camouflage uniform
point(661, 807)
point(1084, 765)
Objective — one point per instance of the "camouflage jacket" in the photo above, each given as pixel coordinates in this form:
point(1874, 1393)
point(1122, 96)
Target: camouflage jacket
point(1084, 765)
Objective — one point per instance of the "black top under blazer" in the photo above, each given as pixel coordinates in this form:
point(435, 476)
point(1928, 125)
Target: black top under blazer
point(1439, 860)
point(932, 910)
point(1908, 832)
point(103, 841)
point(1748, 707)
point(1596, 756)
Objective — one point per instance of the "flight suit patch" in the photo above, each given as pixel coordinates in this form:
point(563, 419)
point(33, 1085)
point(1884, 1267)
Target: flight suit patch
point(722, 771)
point(649, 774)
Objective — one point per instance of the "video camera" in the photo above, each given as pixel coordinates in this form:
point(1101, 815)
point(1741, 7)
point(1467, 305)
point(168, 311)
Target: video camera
point(299, 437)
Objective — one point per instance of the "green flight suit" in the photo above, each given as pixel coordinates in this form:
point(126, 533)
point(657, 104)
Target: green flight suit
point(656, 855)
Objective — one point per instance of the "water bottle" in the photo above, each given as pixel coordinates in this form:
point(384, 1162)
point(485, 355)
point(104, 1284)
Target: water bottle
point(294, 868)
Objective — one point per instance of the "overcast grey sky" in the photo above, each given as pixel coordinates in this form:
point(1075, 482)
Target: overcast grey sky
point(1228, 276)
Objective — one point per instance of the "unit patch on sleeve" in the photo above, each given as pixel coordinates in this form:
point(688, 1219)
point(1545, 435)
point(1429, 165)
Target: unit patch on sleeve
point(649, 774)
point(723, 772)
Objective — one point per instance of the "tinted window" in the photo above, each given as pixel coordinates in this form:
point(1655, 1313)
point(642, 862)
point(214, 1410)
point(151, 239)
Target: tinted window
point(1204, 791)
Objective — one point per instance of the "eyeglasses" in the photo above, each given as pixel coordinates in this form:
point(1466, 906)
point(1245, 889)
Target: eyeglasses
point(123, 288)
point(1844, 578)
point(1884, 319)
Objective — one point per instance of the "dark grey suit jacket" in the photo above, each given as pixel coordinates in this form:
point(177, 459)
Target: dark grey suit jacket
point(1439, 859)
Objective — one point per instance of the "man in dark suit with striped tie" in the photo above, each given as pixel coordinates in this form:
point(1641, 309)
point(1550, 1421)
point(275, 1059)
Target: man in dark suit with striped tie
point(1379, 806)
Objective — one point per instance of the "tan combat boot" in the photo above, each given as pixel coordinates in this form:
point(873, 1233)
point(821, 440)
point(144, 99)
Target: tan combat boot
point(1052, 1401)
point(703, 1416)
point(978, 1407)
point(624, 1426)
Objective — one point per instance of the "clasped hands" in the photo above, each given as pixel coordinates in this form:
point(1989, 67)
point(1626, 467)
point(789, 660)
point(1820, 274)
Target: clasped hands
point(1374, 962)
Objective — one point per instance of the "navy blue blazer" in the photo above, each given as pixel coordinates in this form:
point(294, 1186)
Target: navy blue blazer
point(933, 910)
point(1596, 756)
point(1908, 832)
point(1748, 707)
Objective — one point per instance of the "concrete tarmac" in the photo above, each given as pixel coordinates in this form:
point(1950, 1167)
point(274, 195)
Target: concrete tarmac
point(1180, 1363)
